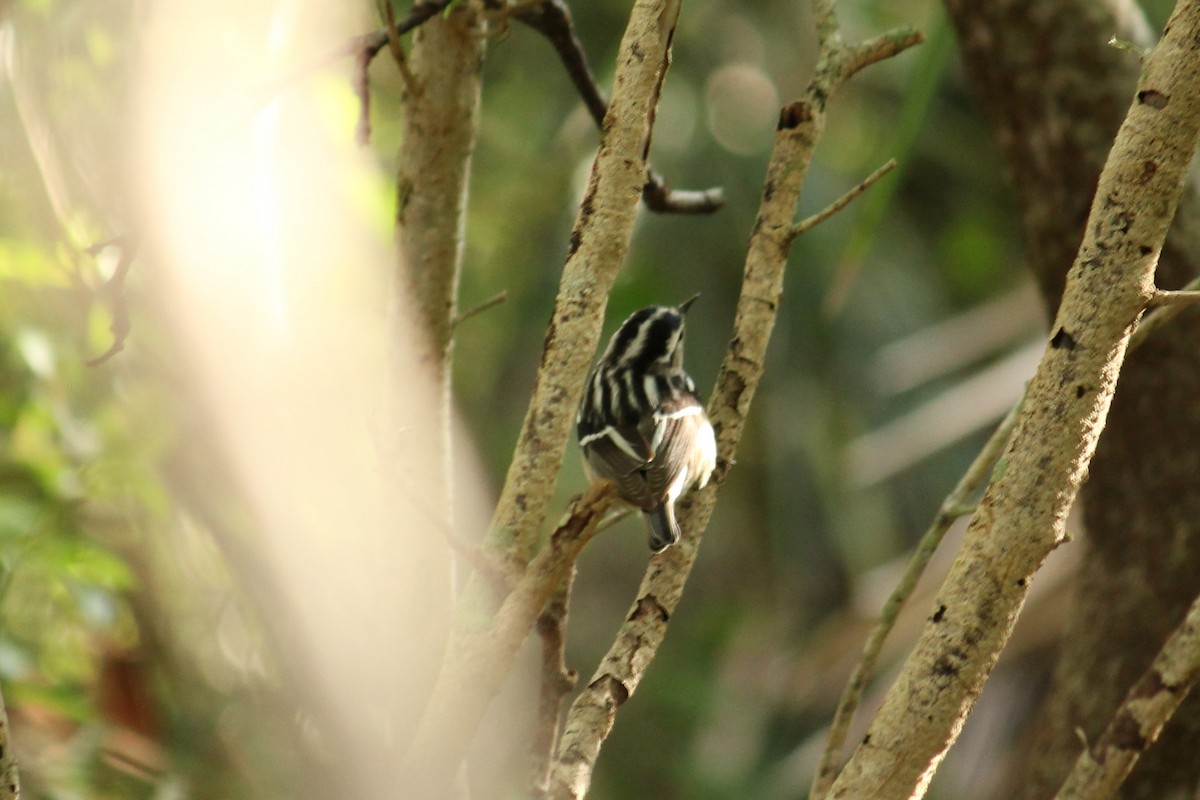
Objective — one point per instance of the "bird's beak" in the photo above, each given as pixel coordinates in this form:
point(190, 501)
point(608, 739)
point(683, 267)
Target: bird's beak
point(686, 304)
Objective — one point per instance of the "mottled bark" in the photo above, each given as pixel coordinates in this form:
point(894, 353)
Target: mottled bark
point(1054, 91)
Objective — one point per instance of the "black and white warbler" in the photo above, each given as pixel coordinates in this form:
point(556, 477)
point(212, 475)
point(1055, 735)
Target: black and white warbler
point(640, 423)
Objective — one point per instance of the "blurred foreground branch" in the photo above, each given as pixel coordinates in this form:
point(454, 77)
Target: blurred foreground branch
point(478, 660)
point(1021, 517)
point(801, 125)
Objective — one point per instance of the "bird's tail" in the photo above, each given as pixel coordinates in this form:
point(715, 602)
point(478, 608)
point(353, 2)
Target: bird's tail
point(664, 530)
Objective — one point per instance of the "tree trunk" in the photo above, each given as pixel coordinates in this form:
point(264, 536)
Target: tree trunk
point(1054, 92)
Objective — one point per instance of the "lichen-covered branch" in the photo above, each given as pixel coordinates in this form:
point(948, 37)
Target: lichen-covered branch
point(801, 125)
point(1021, 517)
point(1102, 767)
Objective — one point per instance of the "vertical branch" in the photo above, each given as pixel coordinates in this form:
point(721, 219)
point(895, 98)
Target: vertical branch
point(440, 118)
point(801, 125)
point(1022, 515)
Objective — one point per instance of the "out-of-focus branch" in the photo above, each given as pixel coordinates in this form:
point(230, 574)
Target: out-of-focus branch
point(439, 126)
point(801, 125)
point(481, 654)
point(1021, 517)
point(1150, 703)
point(552, 19)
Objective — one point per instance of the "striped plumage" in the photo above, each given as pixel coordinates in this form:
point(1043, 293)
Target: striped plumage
point(641, 424)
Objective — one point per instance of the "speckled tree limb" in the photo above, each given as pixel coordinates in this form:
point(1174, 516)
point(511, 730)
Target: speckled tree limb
point(801, 125)
point(957, 504)
point(440, 121)
point(1021, 517)
point(1102, 767)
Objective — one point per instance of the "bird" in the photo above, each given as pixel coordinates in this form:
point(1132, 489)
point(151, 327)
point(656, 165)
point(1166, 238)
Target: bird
point(641, 424)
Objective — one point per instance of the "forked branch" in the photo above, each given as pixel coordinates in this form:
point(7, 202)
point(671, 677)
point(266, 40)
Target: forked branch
point(620, 671)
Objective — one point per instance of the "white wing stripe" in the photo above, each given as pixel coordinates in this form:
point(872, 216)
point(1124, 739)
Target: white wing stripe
point(616, 438)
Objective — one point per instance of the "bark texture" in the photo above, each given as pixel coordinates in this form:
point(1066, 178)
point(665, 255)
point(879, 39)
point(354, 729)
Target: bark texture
point(1053, 91)
point(1021, 517)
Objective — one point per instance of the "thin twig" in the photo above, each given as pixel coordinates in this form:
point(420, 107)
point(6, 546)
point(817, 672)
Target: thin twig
point(552, 19)
point(1160, 315)
point(397, 49)
point(362, 48)
point(808, 223)
point(660, 197)
point(490, 303)
point(1163, 297)
point(557, 682)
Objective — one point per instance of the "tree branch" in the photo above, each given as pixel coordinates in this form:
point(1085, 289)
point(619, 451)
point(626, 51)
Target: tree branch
point(552, 19)
point(956, 505)
point(1148, 706)
point(593, 713)
point(1174, 298)
point(1021, 518)
point(439, 126)
point(808, 223)
point(557, 681)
